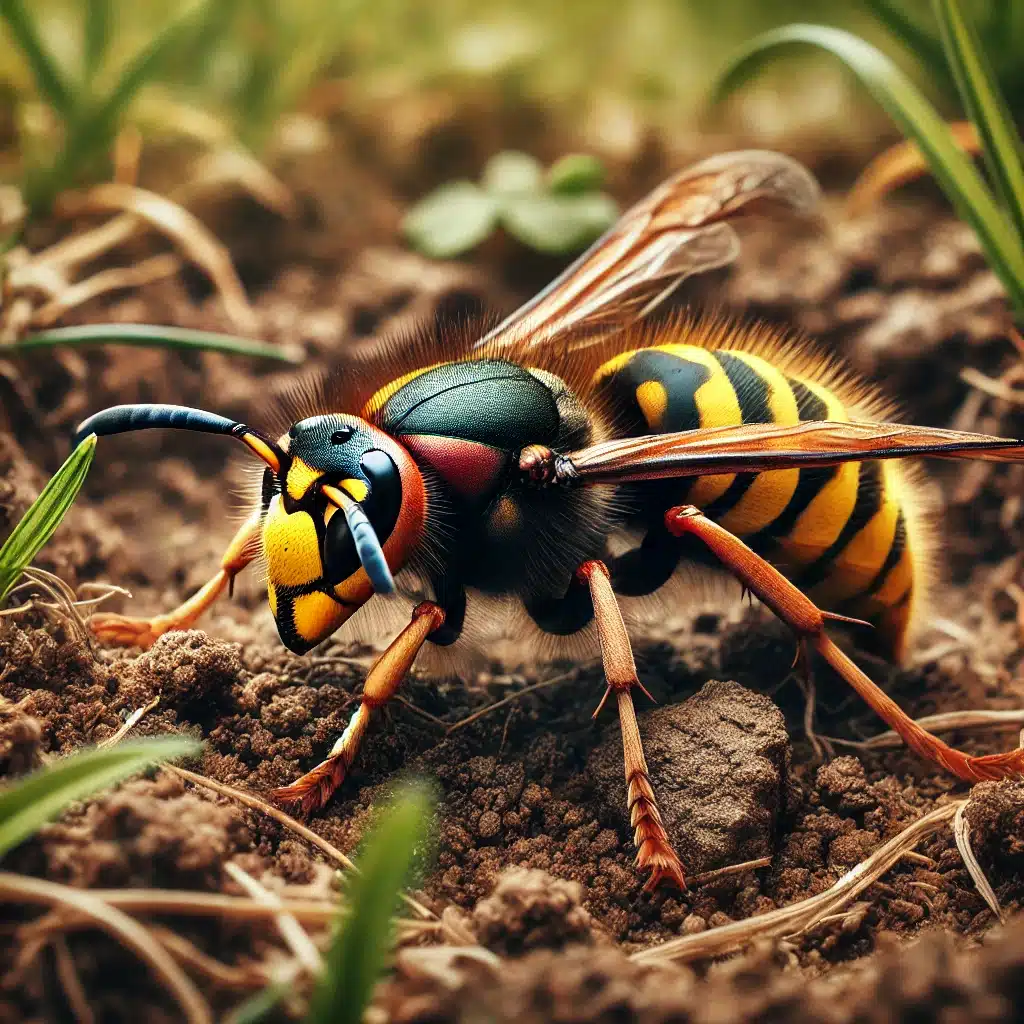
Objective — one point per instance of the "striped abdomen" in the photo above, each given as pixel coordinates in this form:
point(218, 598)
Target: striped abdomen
point(842, 534)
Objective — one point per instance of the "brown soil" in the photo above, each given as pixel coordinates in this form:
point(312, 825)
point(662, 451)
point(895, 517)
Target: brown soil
point(533, 853)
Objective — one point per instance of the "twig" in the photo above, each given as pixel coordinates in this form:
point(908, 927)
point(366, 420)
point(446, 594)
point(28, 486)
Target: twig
point(996, 388)
point(289, 822)
point(799, 917)
point(512, 698)
point(419, 711)
point(962, 835)
point(130, 722)
point(67, 973)
point(22, 889)
point(292, 932)
point(948, 721)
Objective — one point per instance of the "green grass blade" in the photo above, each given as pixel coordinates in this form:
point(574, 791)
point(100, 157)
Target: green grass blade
point(44, 515)
point(96, 31)
point(157, 336)
point(918, 120)
point(49, 79)
point(93, 132)
point(29, 803)
point(924, 45)
point(986, 107)
point(361, 947)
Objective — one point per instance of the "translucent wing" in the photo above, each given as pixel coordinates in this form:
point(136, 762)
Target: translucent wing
point(679, 230)
point(755, 447)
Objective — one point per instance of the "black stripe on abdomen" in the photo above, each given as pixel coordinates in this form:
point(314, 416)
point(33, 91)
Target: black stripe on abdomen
point(753, 393)
point(811, 482)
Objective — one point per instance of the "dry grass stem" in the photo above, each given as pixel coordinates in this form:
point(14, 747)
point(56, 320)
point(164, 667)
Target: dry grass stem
point(948, 721)
point(257, 804)
point(962, 835)
point(301, 945)
point(190, 956)
point(805, 914)
point(130, 722)
point(997, 388)
point(71, 983)
point(156, 268)
point(22, 889)
point(706, 877)
point(512, 698)
point(174, 221)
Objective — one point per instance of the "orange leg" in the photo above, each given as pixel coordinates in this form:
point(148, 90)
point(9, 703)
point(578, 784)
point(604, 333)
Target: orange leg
point(808, 622)
point(654, 849)
point(314, 789)
point(127, 631)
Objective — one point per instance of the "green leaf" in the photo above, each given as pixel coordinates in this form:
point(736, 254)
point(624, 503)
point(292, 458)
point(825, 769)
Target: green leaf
point(511, 173)
point(558, 224)
point(44, 516)
point(451, 221)
point(156, 336)
point(48, 76)
point(97, 36)
point(986, 107)
point(29, 803)
point(918, 120)
point(359, 952)
point(575, 174)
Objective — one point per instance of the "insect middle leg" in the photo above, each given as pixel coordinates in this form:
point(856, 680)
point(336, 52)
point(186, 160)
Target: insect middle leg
point(801, 614)
point(654, 849)
point(314, 789)
point(128, 631)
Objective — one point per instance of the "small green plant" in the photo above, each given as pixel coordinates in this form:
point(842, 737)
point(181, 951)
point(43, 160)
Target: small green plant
point(88, 103)
point(361, 947)
point(994, 209)
point(558, 212)
point(156, 336)
point(365, 932)
point(44, 515)
point(29, 803)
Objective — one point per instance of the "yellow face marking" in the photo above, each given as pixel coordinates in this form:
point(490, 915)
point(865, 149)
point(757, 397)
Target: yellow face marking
point(770, 492)
point(301, 477)
point(718, 406)
point(291, 546)
point(653, 401)
point(317, 616)
point(380, 398)
point(355, 488)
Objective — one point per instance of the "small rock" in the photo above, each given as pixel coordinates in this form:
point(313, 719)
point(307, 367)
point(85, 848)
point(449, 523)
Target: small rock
point(719, 763)
point(531, 910)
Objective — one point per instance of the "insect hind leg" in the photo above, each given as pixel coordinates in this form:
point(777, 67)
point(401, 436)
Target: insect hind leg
point(654, 849)
point(800, 613)
point(130, 631)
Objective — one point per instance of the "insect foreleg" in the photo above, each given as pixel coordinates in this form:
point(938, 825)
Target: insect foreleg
point(794, 608)
point(654, 849)
point(127, 631)
point(314, 789)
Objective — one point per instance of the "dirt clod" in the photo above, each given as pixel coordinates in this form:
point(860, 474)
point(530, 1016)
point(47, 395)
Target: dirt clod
point(529, 909)
point(996, 817)
point(20, 736)
point(719, 763)
point(184, 667)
